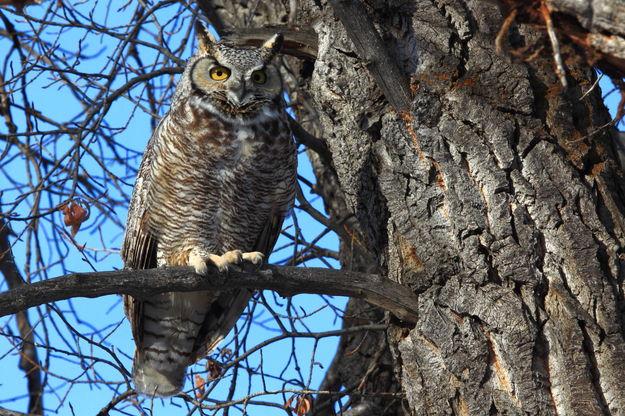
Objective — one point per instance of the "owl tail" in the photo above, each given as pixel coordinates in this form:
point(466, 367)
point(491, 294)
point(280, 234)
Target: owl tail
point(154, 381)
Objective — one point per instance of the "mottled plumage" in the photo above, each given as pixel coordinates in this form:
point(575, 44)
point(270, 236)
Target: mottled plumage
point(216, 181)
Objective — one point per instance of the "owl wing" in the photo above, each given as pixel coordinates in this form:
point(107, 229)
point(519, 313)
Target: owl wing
point(269, 236)
point(138, 250)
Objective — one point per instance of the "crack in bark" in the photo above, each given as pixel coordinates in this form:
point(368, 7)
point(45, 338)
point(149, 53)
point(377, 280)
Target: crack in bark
point(499, 367)
point(595, 379)
point(456, 38)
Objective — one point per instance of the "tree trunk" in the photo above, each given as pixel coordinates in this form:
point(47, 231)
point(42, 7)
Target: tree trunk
point(491, 198)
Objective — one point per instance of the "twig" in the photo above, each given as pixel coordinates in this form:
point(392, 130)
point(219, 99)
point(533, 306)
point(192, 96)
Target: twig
point(222, 405)
point(597, 130)
point(555, 45)
point(105, 410)
point(592, 87)
point(314, 335)
point(504, 30)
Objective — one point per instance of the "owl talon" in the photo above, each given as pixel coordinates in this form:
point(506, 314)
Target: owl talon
point(199, 263)
point(199, 260)
point(233, 257)
point(224, 261)
point(254, 257)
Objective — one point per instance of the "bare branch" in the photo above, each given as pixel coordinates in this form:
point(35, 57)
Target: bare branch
point(29, 361)
point(285, 280)
point(7, 412)
point(310, 141)
point(555, 45)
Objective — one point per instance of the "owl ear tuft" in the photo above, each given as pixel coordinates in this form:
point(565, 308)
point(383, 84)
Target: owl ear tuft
point(271, 47)
point(205, 38)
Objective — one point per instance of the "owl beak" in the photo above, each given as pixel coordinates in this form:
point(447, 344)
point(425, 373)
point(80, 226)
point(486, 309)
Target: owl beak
point(235, 95)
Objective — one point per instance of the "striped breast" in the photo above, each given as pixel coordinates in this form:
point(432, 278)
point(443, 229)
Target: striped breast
point(219, 186)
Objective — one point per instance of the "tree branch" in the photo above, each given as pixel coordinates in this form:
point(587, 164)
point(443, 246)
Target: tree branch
point(300, 42)
point(7, 412)
point(29, 360)
point(370, 47)
point(285, 280)
point(317, 145)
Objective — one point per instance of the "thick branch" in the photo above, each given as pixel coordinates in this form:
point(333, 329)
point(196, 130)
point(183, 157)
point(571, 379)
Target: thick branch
point(370, 47)
point(300, 42)
point(145, 283)
point(310, 141)
point(29, 360)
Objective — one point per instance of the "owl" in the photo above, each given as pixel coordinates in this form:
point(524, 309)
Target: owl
point(216, 181)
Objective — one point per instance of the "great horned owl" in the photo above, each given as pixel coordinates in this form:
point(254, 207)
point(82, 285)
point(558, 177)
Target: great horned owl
point(215, 183)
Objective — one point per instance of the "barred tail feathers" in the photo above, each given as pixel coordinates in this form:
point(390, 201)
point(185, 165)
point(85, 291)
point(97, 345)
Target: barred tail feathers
point(178, 329)
point(165, 349)
point(151, 380)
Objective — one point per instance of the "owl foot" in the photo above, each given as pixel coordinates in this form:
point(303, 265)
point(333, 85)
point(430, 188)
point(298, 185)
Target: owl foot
point(199, 260)
point(236, 257)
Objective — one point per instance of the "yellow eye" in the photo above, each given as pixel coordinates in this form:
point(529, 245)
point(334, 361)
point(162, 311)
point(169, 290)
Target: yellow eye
point(259, 77)
point(219, 73)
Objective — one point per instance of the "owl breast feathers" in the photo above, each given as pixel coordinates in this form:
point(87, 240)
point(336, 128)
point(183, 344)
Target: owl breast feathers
point(215, 183)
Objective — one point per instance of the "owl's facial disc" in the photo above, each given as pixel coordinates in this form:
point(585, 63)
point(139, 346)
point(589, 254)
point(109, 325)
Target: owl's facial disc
point(235, 88)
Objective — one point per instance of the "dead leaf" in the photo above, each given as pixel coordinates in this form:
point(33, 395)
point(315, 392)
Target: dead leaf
point(287, 405)
point(199, 384)
point(302, 405)
point(74, 214)
point(214, 369)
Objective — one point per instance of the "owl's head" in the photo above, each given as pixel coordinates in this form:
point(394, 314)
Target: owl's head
point(236, 83)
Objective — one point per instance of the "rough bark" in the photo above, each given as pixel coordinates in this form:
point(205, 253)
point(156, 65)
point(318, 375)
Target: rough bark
point(363, 365)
